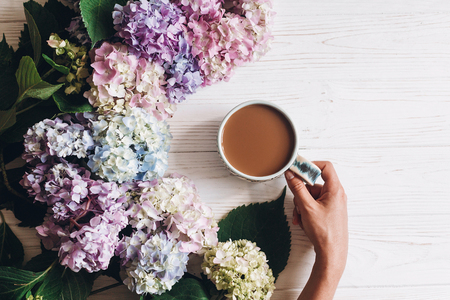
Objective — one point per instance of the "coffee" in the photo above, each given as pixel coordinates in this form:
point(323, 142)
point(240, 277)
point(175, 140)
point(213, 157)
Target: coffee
point(258, 140)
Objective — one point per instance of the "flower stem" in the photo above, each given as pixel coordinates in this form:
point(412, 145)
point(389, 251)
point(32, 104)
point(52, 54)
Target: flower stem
point(29, 107)
point(106, 288)
point(5, 179)
point(48, 73)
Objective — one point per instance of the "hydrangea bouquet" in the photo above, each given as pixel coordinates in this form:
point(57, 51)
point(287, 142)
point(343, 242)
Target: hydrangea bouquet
point(85, 101)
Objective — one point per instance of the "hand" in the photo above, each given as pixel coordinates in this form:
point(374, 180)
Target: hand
point(321, 211)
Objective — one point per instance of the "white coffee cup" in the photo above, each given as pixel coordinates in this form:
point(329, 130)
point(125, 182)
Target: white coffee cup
point(308, 171)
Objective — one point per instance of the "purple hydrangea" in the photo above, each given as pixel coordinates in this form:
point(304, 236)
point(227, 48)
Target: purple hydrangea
point(183, 75)
point(78, 30)
point(151, 28)
point(84, 217)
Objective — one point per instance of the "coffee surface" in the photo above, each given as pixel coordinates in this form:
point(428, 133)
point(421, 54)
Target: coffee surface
point(258, 140)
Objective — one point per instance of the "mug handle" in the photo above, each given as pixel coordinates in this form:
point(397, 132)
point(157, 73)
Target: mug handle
point(307, 171)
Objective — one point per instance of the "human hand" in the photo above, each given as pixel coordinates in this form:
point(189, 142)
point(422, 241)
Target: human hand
point(321, 211)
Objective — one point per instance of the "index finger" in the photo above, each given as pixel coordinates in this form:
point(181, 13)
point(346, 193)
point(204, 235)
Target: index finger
point(329, 175)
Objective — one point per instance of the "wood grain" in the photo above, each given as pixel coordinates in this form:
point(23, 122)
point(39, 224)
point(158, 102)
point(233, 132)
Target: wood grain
point(368, 86)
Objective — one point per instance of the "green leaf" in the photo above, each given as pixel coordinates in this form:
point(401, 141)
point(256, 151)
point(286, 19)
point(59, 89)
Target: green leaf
point(72, 103)
point(45, 21)
point(264, 224)
point(15, 283)
point(25, 120)
point(63, 69)
point(185, 289)
point(62, 13)
point(30, 83)
point(60, 283)
point(7, 119)
point(11, 249)
point(34, 36)
point(97, 17)
point(76, 285)
point(41, 262)
point(8, 87)
point(6, 52)
point(51, 287)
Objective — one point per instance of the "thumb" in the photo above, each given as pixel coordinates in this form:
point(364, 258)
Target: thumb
point(302, 197)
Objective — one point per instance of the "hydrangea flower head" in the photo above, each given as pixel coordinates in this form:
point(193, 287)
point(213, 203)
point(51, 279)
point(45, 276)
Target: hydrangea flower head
point(133, 146)
point(183, 74)
point(84, 218)
point(120, 80)
point(153, 263)
point(151, 28)
point(72, 57)
point(260, 16)
point(58, 138)
point(220, 47)
point(241, 34)
point(173, 204)
point(78, 30)
point(240, 268)
point(208, 10)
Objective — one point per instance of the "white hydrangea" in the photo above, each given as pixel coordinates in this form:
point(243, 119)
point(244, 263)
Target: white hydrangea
point(240, 268)
point(133, 146)
point(57, 138)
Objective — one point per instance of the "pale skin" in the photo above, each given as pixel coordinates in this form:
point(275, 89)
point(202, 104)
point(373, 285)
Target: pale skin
point(321, 211)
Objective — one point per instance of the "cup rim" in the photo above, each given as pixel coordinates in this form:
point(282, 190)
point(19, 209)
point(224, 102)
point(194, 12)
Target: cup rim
point(239, 173)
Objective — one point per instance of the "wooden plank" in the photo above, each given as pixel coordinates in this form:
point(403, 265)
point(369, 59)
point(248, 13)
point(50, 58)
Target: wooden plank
point(333, 118)
point(432, 292)
point(377, 181)
point(384, 251)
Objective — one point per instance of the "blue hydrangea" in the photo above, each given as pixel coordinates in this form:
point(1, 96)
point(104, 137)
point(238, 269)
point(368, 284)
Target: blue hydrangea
point(153, 263)
point(133, 146)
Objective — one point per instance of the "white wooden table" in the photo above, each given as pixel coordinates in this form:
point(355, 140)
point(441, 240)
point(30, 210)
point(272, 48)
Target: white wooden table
point(368, 85)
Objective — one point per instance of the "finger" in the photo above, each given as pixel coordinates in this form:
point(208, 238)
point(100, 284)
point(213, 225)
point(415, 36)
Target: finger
point(315, 190)
point(294, 217)
point(329, 175)
point(302, 197)
point(297, 218)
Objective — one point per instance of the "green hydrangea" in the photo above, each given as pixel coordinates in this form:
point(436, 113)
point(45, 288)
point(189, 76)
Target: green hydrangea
point(240, 268)
point(73, 57)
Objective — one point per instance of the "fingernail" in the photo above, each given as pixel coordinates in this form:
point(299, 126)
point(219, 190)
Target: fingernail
point(289, 175)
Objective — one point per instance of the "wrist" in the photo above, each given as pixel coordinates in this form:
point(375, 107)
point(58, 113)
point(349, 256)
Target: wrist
point(331, 262)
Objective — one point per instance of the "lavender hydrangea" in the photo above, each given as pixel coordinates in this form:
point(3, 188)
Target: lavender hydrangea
point(78, 30)
point(84, 217)
point(153, 263)
point(173, 204)
point(72, 4)
point(133, 146)
point(151, 28)
point(57, 139)
point(183, 75)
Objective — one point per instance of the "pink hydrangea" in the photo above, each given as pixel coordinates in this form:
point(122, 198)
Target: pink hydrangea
point(260, 16)
point(121, 80)
point(241, 35)
point(210, 10)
